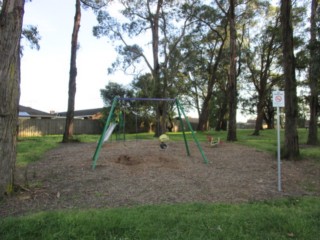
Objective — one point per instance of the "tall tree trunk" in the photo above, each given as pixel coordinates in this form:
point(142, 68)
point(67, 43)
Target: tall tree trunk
point(68, 132)
point(313, 77)
point(232, 85)
point(158, 93)
point(212, 71)
point(223, 109)
point(11, 19)
point(268, 117)
point(204, 114)
point(262, 86)
point(259, 120)
point(154, 22)
point(291, 147)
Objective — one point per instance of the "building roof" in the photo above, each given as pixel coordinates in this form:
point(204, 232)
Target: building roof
point(87, 113)
point(28, 112)
point(25, 111)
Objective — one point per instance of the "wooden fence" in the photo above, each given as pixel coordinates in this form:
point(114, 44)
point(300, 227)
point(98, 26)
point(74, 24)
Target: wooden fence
point(41, 127)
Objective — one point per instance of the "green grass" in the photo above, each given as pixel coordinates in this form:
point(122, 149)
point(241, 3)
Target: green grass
point(267, 141)
point(290, 218)
point(30, 149)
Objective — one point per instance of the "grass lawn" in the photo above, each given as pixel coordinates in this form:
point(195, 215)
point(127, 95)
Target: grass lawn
point(30, 149)
point(289, 218)
point(267, 141)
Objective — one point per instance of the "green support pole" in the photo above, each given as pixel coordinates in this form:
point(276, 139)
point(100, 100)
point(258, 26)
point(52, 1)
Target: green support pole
point(97, 152)
point(192, 132)
point(183, 132)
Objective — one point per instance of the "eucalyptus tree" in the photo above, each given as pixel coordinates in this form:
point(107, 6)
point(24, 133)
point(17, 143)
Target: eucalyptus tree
point(94, 4)
point(205, 48)
point(264, 61)
point(222, 98)
point(291, 146)
point(142, 87)
point(113, 90)
point(238, 13)
point(229, 10)
point(68, 132)
point(314, 75)
point(232, 83)
point(11, 21)
point(158, 23)
point(209, 60)
point(232, 73)
point(262, 57)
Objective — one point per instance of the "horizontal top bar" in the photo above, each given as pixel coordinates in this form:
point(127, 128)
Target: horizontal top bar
point(147, 99)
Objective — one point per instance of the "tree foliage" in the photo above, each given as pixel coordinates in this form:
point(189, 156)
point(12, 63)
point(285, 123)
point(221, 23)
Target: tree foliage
point(113, 90)
point(32, 36)
point(164, 24)
point(262, 57)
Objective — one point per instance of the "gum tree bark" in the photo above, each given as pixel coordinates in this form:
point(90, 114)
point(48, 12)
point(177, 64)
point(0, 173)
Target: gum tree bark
point(313, 77)
point(232, 84)
point(94, 4)
point(68, 132)
point(158, 91)
point(11, 19)
point(291, 146)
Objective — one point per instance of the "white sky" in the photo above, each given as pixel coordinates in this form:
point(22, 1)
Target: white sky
point(45, 73)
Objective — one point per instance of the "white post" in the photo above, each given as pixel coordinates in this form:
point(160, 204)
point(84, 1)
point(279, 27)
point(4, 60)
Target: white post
point(279, 153)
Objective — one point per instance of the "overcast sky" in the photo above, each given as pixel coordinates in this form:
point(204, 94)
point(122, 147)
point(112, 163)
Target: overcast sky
point(45, 73)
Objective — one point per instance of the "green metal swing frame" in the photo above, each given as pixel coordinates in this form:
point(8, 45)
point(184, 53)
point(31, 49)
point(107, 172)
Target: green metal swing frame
point(181, 113)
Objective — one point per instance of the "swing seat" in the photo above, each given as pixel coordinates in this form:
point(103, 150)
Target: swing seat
point(164, 138)
point(213, 142)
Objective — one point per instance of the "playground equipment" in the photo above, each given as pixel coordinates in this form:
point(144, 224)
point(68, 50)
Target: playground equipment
point(163, 140)
point(109, 131)
point(212, 141)
point(110, 126)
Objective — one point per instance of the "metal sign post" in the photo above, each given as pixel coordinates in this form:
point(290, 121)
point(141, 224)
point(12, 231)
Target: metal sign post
point(278, 101)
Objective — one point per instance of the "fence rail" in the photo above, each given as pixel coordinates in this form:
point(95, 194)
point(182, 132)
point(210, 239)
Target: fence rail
point(40, 127)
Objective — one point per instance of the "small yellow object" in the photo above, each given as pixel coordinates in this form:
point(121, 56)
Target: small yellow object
point(164, 138)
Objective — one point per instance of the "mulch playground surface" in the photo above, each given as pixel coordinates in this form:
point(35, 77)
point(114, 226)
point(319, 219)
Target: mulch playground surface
point(138, 172)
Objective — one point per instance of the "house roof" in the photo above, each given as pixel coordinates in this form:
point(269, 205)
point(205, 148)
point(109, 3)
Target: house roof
point(83, 113)
point(28, 112)
point(34, 113)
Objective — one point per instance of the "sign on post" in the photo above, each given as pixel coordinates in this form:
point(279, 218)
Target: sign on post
point(278, 98)
point(278, 101)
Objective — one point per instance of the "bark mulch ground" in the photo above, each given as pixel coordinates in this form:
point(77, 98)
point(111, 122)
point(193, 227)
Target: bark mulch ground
point(139, 172)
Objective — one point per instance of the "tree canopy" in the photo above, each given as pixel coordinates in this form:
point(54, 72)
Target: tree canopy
point(195, 37)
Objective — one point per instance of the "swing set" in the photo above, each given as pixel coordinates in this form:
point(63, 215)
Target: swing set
point(113, 120)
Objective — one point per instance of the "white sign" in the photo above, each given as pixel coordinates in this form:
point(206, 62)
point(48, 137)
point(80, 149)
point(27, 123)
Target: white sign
point(278, 98)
